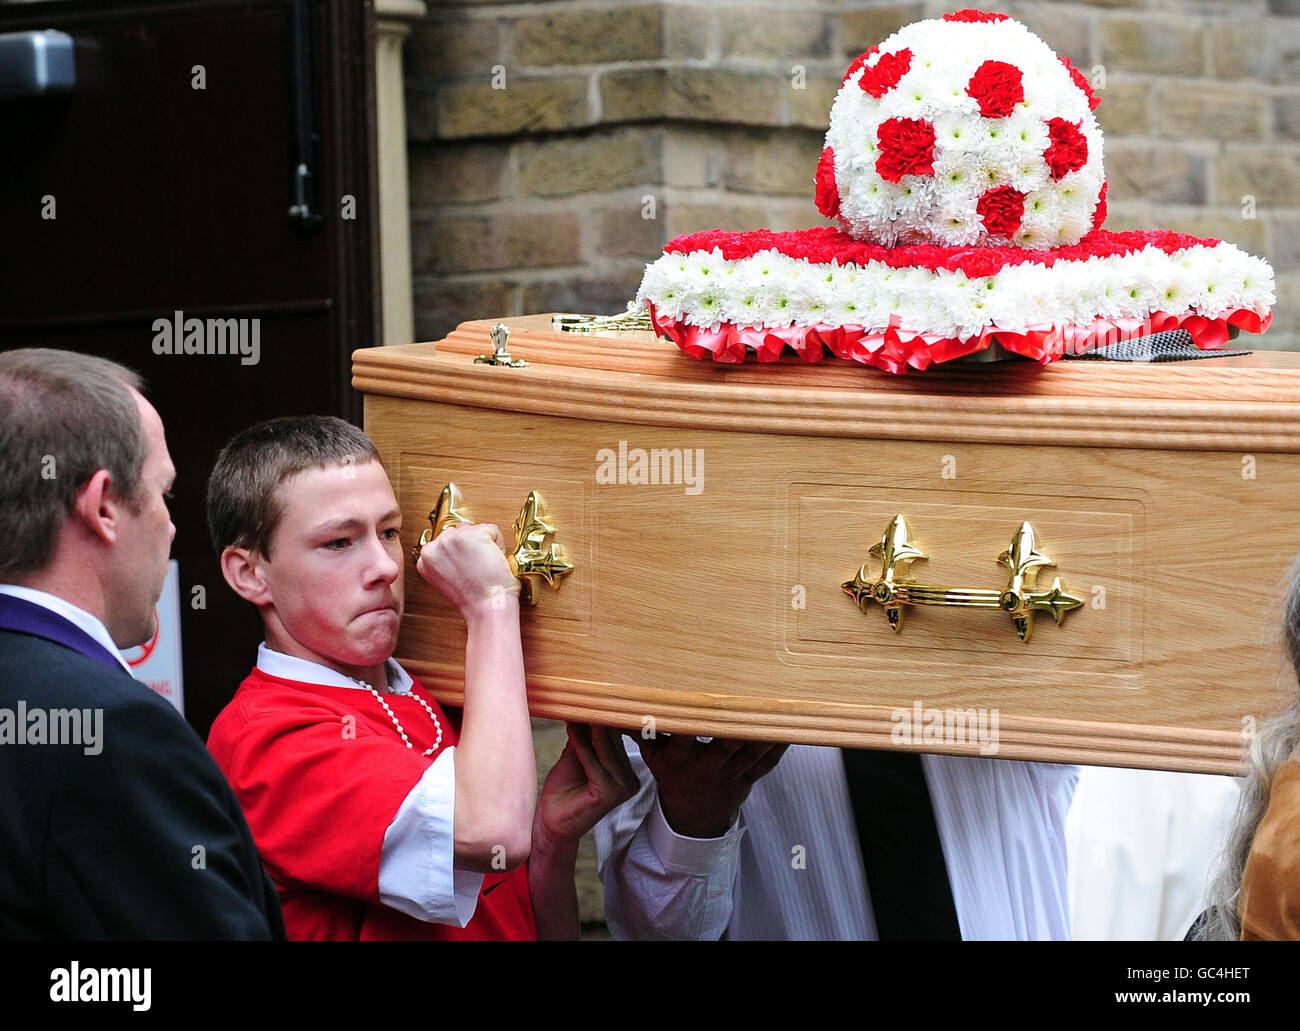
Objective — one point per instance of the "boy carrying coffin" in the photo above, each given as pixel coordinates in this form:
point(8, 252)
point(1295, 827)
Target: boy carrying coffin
point(375, 816)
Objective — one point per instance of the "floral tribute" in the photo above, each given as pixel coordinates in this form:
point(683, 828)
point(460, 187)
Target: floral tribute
point(944, 112)
point(963, 166)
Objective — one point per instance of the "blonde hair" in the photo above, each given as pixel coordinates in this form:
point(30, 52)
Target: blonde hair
point(1277, 741)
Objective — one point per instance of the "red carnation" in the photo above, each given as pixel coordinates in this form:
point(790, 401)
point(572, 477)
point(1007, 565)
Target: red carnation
point(998, 87)
point(824, 244)
point(1001, 208)
point(1068, 151)
point(885, 75)
point(858, 62)
point(828, 193)
point(906, 148)
point(1099, 212)
point(1082, 82)
point(970, 14)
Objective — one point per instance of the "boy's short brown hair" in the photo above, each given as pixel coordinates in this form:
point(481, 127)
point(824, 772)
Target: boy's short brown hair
point(244, 502)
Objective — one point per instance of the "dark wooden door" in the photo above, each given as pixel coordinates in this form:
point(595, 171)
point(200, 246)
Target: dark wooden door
point(172, 167)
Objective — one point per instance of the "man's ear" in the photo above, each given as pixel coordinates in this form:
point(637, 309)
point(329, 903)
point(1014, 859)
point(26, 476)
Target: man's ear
point(97, 509)
point(243, 572)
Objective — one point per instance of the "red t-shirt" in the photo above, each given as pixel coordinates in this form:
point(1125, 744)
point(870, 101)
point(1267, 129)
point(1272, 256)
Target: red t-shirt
point(320, 772)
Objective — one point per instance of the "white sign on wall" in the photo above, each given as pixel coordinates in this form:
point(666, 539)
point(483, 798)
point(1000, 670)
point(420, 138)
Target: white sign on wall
point(157, 663)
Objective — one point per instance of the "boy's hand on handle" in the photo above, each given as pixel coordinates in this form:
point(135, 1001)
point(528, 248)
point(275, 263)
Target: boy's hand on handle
point(467, 564)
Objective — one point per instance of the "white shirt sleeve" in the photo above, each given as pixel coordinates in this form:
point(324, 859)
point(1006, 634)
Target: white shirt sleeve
point(659, 884)
point(417, 874)
point(1002, 826)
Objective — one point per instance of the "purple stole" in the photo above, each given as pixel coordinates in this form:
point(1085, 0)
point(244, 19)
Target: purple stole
point(26, 617)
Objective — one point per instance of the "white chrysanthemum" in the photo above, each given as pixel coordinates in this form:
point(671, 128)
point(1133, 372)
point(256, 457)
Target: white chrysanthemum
point(955, 294)
point(1179, 290)
point(1010, 294)
point(804, 286)
point(915, 198)
point(1212, 296)
point(1075, 222)
point(1256, 279)
point(753, 291)
point(656, 285)
point(704, 263)
point(1142, 279)
point(1101, 288)
point(954, 131)
point(1042, 208)
point(1026, 136)
point(987, 138)
point(843, 285)
point(1032, 238)
point(956, 226)
point(1027, 174)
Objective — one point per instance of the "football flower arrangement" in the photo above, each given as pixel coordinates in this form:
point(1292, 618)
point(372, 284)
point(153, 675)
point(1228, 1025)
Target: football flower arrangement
point(963, 133)
point(964, 167)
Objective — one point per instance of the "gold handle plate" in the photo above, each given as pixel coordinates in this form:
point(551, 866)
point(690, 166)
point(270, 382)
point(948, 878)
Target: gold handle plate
point(1020, 599)
point(532, 560)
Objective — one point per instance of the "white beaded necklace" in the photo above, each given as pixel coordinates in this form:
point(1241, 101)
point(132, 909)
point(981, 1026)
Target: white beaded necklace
point(396, 723)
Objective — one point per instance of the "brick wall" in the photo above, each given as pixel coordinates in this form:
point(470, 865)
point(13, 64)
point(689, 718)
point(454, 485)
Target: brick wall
point(620, 125)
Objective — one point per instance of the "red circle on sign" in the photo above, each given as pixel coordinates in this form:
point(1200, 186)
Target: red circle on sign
point(148, 647)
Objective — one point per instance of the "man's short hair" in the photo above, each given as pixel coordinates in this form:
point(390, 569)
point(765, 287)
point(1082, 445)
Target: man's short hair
point(63, 417)
point(244, 501)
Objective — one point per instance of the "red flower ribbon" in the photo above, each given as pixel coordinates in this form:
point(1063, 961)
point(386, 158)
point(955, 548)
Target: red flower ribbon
point(897, 350)
point(824, 244)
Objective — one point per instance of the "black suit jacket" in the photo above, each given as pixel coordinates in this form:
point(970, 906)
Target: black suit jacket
point(144, 840)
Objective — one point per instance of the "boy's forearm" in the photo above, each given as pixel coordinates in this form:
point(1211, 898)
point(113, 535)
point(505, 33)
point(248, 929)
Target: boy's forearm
point(496, 774)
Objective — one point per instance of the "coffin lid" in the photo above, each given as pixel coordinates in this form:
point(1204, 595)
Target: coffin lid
point(1250, 402)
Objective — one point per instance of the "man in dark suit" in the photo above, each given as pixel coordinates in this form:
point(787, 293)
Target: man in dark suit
point(116, 823)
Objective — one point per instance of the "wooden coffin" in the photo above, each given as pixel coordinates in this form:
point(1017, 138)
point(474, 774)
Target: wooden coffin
point(713, 602)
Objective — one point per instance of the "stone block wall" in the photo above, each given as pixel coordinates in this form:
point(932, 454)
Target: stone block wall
point(555, 146)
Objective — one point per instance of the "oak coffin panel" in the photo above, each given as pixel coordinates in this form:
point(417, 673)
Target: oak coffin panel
point(710, 602)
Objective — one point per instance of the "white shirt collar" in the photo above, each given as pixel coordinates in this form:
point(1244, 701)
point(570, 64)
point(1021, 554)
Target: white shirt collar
point(79, 618)
point(290, 667)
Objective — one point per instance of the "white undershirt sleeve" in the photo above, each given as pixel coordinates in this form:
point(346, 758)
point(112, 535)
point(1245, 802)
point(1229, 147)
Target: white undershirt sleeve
point(659, 884)
point(417, 873)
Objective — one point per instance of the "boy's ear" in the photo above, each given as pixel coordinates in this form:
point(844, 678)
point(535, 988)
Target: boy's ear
point(243, 573)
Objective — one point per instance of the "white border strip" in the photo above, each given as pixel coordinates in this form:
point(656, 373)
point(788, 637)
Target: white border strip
point(773, 290)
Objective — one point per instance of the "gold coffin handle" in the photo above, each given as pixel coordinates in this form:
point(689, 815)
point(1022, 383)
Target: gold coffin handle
point(533, 560)
point(449, 511)
point(1020, 599)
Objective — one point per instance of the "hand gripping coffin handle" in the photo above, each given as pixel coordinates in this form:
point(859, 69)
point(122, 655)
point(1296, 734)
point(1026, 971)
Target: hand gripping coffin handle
point(532, 560)
point(1020, 599)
